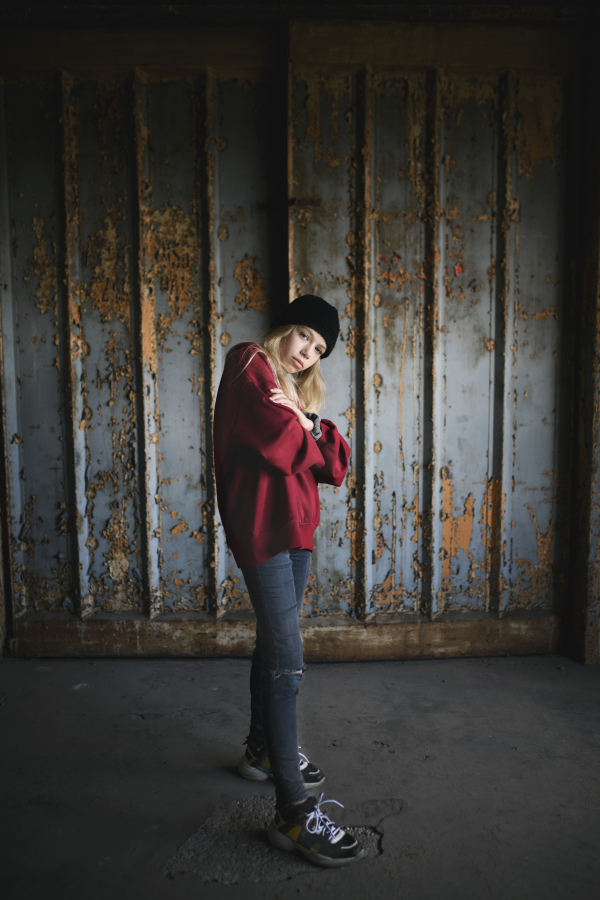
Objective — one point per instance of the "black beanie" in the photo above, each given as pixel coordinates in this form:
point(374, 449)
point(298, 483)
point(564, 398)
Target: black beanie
point(314, 312)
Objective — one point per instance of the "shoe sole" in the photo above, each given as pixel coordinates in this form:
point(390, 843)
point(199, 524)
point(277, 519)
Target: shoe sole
point(279, 840)
point(313, 784)
point(251, 773)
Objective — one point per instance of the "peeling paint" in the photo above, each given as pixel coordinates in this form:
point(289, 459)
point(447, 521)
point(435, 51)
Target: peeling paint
point(42, 266)
point(251, 292)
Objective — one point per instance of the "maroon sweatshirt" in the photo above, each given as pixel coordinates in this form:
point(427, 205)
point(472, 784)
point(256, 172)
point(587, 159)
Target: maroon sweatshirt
point(267, 465)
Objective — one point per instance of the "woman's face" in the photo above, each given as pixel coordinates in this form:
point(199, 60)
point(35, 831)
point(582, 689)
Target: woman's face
point(301, 349)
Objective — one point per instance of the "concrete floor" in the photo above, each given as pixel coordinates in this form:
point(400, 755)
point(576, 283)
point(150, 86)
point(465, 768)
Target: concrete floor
point(482, 775)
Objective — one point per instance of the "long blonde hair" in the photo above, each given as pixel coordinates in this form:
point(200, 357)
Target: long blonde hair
point(307, 388)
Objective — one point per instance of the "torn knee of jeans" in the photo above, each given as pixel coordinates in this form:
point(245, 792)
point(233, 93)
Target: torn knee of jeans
point(277, 673)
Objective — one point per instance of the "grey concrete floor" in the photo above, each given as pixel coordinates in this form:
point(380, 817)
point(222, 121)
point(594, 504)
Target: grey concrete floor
point(483, 775)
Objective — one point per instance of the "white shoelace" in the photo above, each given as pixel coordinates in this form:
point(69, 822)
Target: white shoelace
point(318, 822)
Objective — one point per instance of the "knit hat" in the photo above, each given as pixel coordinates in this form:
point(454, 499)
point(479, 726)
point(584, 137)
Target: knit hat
point(315, 313)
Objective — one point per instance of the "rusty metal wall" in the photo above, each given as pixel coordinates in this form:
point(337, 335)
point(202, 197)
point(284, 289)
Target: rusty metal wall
point(429, 204)
point(456, 337)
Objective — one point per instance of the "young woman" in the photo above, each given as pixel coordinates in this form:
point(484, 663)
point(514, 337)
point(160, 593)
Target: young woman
point(271, 450)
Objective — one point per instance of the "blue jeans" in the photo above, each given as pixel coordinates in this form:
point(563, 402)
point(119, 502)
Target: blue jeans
point(276, 588)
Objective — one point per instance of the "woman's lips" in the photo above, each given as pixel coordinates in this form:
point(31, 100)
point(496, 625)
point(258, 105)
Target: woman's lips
point(298, 363)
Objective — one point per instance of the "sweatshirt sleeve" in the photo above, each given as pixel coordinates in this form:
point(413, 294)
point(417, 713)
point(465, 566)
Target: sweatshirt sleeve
point(273, 431)
point(336, 455)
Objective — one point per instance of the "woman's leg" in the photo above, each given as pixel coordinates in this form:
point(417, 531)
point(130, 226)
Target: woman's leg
point(272, 589)
point(256, 737)
point(300, 567)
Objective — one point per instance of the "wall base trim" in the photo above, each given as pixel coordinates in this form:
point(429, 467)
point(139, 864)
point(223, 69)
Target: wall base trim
point(332, 641)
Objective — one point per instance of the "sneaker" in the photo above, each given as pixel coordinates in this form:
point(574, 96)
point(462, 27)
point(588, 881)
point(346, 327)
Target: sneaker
point(256, 767)
point(312, 775)
point(307, 829)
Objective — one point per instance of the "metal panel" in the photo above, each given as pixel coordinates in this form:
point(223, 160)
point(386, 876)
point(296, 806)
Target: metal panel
point(434, 548)
point(102, 402)
point(536, 280)
point(237, 122)
point(463, 389)
point(394, 369)
point(39, 523)
point(171, 286)
point(325, 259)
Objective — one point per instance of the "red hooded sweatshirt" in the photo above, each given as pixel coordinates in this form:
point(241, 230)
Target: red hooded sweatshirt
point(267, 465)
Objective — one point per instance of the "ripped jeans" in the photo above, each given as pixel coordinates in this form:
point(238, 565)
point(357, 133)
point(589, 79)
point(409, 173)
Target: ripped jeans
point(276, 588)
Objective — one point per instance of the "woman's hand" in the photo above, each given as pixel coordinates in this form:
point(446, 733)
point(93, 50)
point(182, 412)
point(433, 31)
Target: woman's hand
point(277, 396)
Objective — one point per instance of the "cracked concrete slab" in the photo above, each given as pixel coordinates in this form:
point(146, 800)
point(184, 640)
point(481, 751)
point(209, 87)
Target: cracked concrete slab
point(232, 847)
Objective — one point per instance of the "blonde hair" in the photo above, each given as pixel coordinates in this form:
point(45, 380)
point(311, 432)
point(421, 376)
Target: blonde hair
point(307, 388)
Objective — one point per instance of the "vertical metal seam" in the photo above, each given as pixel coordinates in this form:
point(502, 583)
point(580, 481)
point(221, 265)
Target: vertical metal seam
point(213, 302)
point(510, 213)
point(74, 338)
point(136, 327)
point(207, 337)
point(493, 499)
point(150, 424)
point(10, 461)
point(430, 338)
point(365, 234)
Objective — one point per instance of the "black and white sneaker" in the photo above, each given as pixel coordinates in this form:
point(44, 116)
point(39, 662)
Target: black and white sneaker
point(307, 829)
point(312, 775)
point(255, 766)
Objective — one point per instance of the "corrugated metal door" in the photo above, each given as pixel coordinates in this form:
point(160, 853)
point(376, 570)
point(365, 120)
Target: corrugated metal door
point(141, 237)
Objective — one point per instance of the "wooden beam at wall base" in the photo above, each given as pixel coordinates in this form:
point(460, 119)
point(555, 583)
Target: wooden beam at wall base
point(323, 642)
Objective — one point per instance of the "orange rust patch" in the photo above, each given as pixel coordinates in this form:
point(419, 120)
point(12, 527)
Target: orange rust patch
point(172, 249)
point(109, 290)
point(180, 528)
point(535, 579)
point(232, 594)
point(43, 266)
point(456, 531)
point(252, 290)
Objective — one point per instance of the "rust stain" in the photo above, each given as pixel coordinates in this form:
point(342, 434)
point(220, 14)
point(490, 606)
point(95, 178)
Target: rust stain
point(144, 185)
point(109, 288)
point(456, 531)
point(456, 89)
point(172, 251)
point(43, 266)
point(180, 527)
point(336, 87)
point(492, 518)
point(251, 293)
point(350, 414)
point(232, 594)
point(535, 579)
point(539, 106)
